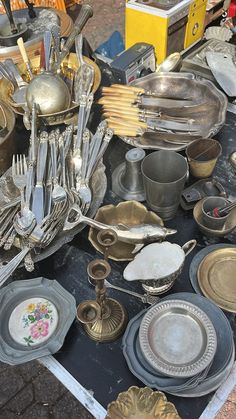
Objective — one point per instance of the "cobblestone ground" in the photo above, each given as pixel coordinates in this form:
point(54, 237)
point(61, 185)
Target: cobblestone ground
point(30, 391)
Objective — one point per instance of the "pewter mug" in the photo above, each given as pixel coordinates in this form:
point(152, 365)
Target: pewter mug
point(164, 175)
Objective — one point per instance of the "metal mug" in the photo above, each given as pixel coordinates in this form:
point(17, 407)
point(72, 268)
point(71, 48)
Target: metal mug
point(208, 205)
point(164, 175)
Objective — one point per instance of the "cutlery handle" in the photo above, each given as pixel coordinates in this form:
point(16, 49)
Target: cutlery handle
point(106, 140)
point(7, 6)
point(62, 158)
point(24, 55)
point(42, 158)
point(15, 73)
point(85, 13)
point(85, 154)
point(4, 71)
point(47, 40)
point(80, 127)
point(7, 270)
point(52, 142)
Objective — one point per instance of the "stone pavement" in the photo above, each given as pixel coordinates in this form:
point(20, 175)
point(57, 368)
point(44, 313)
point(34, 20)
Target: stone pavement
point(30, 391)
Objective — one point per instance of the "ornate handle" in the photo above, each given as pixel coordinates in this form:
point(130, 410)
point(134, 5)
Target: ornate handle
point(42, 157)
point(85, 154)
point(52, 142)
point(85, 13)
point(189, 246)
point(106, 140)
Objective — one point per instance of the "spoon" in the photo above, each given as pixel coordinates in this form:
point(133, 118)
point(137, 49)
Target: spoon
point(19, 94)
point(145, 298)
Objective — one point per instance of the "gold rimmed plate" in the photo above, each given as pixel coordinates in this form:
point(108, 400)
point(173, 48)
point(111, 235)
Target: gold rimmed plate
point(217, 278)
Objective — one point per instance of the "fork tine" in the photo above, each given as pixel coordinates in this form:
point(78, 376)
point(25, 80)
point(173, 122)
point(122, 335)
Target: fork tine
point(25, 164)
point(21, 164)
point(13, 165)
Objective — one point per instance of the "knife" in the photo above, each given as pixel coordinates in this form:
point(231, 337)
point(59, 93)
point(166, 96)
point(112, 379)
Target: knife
point(38, 195)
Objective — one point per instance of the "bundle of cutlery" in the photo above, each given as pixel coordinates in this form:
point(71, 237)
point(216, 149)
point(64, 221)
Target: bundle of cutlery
point(54, 177)
point(132, 111)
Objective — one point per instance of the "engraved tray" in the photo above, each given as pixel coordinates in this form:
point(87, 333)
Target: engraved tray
point(36, 316)
point(8, 192)
point(177, 338)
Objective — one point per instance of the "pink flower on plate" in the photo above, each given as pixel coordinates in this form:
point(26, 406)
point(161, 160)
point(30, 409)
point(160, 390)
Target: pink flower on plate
point(39, 329)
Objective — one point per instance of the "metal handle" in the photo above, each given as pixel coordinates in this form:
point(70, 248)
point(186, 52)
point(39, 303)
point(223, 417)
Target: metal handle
point(13, 70)
point(7, 270)
point(80, 125)
point(85, 13)
point(24, 55)
point(106, 140)
point(52, 142)
point(189, 246)
point(42, 157)
point(85, 154)
point(47, 40)
point(7, 6)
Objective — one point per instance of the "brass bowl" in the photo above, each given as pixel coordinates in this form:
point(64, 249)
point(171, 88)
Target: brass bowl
point(141, 403)
point(130, 213)
point(229, 225)
point(7, 141)
point(69, 65)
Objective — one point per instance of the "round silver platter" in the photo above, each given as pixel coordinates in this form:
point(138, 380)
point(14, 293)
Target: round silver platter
point(177, 338)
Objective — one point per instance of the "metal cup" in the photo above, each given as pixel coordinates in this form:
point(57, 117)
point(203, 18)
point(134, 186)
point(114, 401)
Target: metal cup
point(164, 175)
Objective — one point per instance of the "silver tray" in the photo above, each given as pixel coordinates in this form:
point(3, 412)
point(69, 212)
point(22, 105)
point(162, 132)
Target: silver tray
point(36, 316)
point(221, 361)
point(196, 61)
point(197, 259)
point(8, 192)
point(177, 338)
point(184, 85)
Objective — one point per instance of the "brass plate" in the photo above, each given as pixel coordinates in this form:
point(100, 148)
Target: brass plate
point(217, 278)
point(229, 225)
point(141, 403)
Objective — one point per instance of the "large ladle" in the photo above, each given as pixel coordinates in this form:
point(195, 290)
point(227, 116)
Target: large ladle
point(16, 30)
point(47, 89)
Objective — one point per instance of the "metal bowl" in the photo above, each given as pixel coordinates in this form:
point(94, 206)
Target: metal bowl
point(69, 65)
point(129, 213)
point(184, 86)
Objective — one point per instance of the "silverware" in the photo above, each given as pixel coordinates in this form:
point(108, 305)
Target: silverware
point(145, 298)
point(21, 85)
point(84, 77)
point(82, 187)
point(58, 192)
point(38, 194)
point(47, 40)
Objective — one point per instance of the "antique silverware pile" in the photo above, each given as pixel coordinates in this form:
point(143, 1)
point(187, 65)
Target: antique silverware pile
point(55, 176)
point(177, 346)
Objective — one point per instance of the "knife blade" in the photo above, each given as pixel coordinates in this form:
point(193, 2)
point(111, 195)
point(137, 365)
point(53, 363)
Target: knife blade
point(38, 194)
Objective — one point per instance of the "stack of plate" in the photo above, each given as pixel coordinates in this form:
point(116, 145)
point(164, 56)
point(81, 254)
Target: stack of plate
point(212, 273)
point(182, 345)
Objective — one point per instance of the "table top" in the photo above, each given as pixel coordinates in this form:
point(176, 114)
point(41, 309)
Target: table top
point(101, 367)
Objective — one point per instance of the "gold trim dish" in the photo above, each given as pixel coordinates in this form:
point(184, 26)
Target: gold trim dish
point(141, 403)
point(217, 278)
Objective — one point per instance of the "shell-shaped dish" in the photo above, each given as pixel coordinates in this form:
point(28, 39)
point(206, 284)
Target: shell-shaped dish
point(130, 213)
point(218, 32)
point(155, 261)
point(141, 403)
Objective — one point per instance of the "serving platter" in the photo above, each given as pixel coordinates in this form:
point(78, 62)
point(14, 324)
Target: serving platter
point(177, 338)
point(177, 86)
point(37, 315)
point(217, 277)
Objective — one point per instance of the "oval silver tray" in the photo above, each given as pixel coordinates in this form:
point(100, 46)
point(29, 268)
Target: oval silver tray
point(178, 86)
point(177, 338)
point(11, 296)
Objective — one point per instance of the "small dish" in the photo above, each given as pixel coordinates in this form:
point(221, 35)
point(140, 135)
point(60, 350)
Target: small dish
point(37, 315)
point(208, 205)
point(137, 403)
point(130, 213)
point(227, 228)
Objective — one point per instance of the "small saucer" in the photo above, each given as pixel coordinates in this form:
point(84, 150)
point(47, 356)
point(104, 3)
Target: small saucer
point(228, 226)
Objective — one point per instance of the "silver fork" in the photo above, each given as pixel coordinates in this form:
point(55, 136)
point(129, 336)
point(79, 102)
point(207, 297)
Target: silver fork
point(58, 192)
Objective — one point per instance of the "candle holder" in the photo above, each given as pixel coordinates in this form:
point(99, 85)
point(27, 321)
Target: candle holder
point(104, 319)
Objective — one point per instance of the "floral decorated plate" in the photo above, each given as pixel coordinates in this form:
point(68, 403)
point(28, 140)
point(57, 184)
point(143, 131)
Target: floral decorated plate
point(36, 315)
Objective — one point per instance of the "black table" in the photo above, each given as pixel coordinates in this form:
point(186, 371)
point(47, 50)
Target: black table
point(101, 367)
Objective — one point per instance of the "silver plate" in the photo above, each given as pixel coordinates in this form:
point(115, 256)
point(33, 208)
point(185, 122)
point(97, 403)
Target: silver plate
point(12, 296)
point(183, 86)
point(177, 338)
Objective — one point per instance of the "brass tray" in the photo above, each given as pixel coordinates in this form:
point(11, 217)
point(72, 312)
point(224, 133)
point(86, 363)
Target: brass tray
point(141, 403)
point(177, 338)
point(217, 278)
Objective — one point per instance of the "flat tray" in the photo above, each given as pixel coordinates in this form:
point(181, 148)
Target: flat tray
point(217, 277)
point(177, 338)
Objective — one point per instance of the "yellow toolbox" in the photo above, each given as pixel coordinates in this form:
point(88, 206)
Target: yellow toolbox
point(195, 25)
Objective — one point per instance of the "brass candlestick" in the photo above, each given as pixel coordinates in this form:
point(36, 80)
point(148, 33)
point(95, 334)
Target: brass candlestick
point(105, 319)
